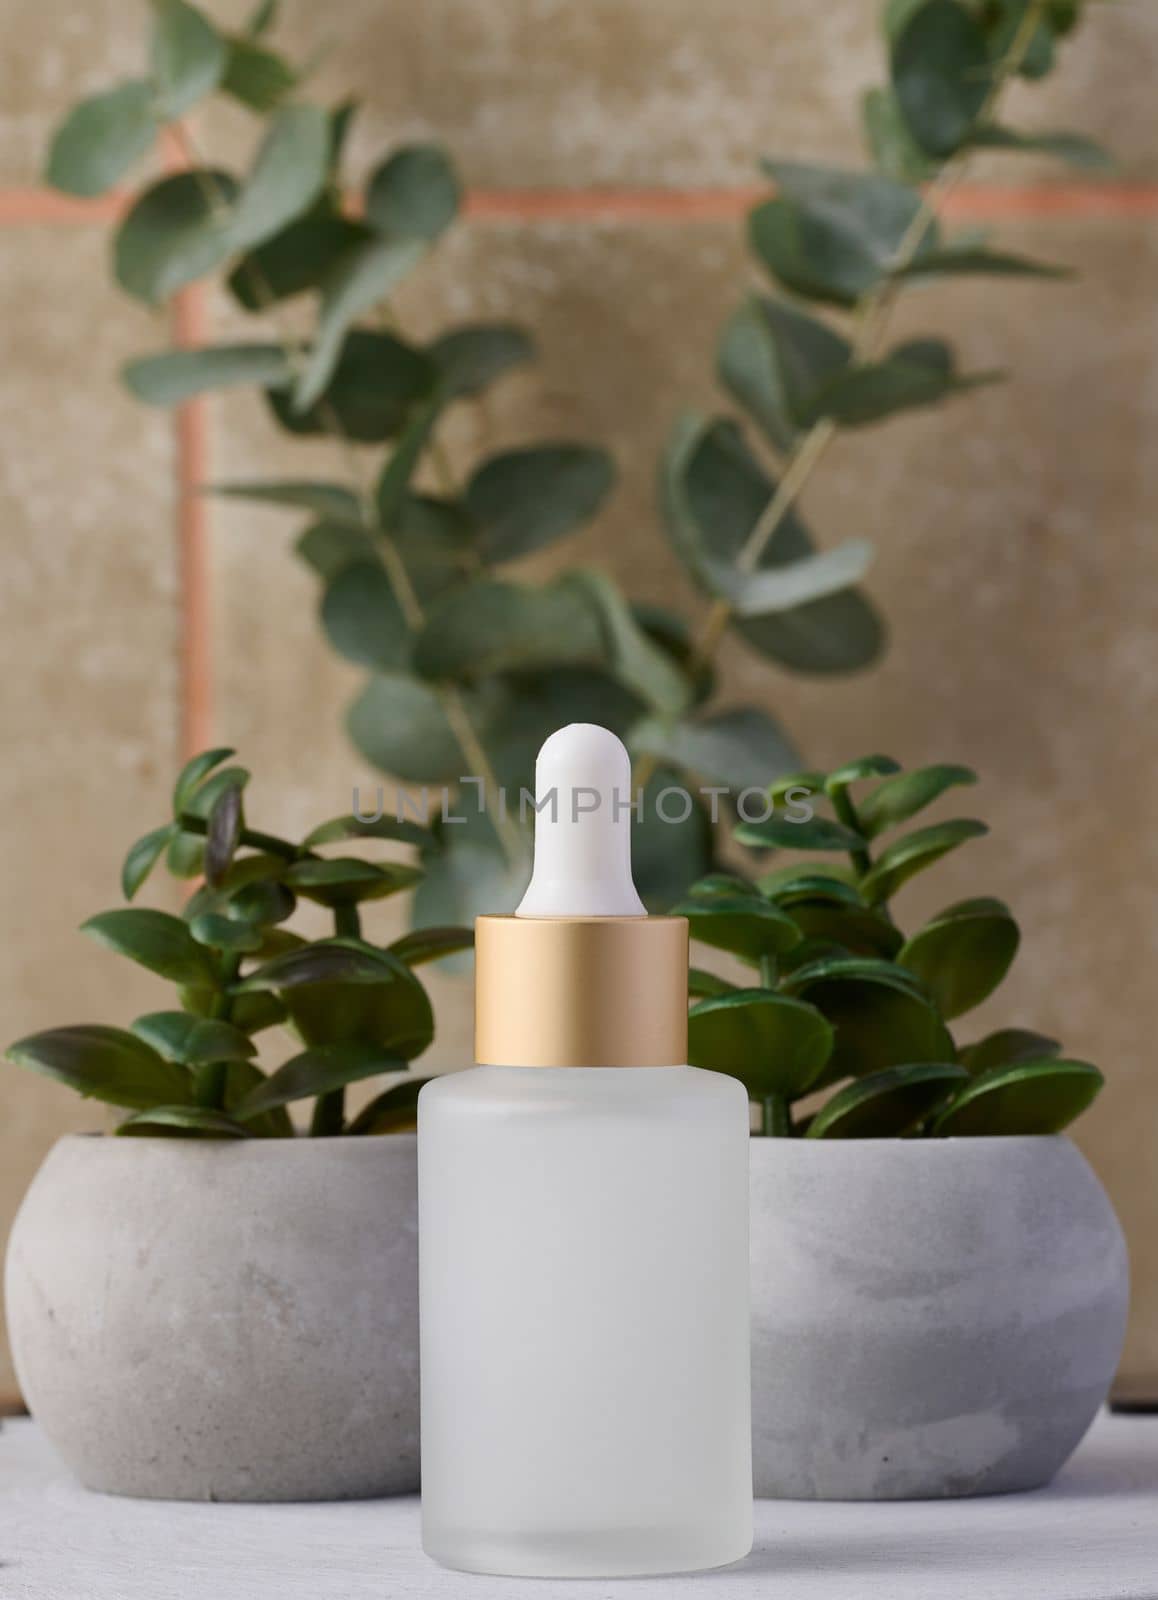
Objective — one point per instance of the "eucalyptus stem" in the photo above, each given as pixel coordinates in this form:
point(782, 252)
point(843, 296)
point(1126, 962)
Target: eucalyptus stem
point(872, 315)
point(473, 751)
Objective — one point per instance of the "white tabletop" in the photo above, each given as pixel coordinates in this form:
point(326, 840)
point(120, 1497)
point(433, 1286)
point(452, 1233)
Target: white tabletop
point(1092, 1536)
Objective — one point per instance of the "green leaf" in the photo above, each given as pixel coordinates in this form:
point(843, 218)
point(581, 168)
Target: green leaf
point(290, 171)
point(774, 1045)
point(262, 19)
point(798, 583)
point(1073, 148)
point(102, 1064)
point(940, 72)
point(372, 396)
point(875, 766)
point(177, 375)
point(143, 857)
point(176, 1120)
point(772, 356)
point(899, 798)
point(961, 958)
point(261, 903)
point(714, 493)
point(188, 57)
point(879, 1020)
point(632, 656)
point(525, 499)
point(325, 499)
point(346, 881)
point(1007, 1047)
point(256, 1012)
point(703, 985)
point(1031, 1097)
point(351, 827)
point(363, 619)
point(744, 925)
point(833, 235)
point(668, 856)
point(894, 150)
point(327, 961)
point(812, 833)
point(466, 877)
point(360, 279)
point(224, 828)
point(395, 1110)
point(913, 853)
point(174, 233)
point(976, 261)
point(414, 194)
point(297, 258)
point(488, 627)
point(472, 357)
point(313, 1072)
point(916, 374)
point(741, 748)
point(101, 138)
point(888, 1104)
point(399, 725)
point(226, 933)
point(192, 1041)
point(258, 78)
point(393, 489)
point(431, 944)
point(155, 940)
point(393, 1018)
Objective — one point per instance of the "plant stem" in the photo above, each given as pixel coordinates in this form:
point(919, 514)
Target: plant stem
point(777, 1118)
point(872, 315)
point(846, 813)
point(474, 754)
point(769, 972)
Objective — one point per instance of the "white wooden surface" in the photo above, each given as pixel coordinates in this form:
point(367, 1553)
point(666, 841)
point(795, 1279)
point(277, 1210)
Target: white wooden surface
point(1092, 1536)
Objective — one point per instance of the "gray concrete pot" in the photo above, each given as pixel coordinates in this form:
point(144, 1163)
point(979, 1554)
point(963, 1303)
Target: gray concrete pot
point(930, 1316)
point(196, 1320)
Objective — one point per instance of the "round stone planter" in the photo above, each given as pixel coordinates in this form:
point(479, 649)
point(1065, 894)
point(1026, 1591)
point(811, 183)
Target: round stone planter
point(202, 1320)
point(931, 1317)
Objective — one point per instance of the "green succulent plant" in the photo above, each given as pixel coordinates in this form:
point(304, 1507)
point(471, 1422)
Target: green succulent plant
point(469, 665)
point(843, 999)
point(354, 1009)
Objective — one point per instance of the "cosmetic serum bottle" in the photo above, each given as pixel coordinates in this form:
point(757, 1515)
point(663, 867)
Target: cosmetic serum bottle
point(583, 1230)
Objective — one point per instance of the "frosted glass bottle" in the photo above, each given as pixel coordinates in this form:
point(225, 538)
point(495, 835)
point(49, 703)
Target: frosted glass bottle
point(584, 1303)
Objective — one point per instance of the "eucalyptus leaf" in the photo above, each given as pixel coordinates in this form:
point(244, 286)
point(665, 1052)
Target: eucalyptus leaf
point(920, 373)
point(414, 194)
point(772, 356)
point(296, 259)
point(103, 1063)
point(289, 172)
point(361, 278)
point(260, 79)
point(786, 588)
point(399, 724)
point(966, 260)
point(740, 748)
point(1074, 148)
point(324, 499)
point(101, 139)
point(174, 232)
point(189, 57)
point(363, 619)
point(490, 627)
point(372, 394)
point(524, 499)
point(894, 149)
point(1027, 1097)
point(392, 493)
point(773, 1044)
point(470, 358)
point(177, 375)
point(887, 1104)
point(941, 76)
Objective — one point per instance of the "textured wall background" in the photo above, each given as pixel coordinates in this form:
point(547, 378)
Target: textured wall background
point(606, 143)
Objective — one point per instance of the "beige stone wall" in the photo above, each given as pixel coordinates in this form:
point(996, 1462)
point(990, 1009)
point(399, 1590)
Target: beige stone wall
point(1018, 565)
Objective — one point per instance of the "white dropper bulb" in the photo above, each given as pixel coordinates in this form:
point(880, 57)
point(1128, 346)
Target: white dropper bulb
point(582, 828)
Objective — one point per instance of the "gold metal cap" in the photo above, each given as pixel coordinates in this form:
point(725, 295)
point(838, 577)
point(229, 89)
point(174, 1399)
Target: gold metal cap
point(581, 991)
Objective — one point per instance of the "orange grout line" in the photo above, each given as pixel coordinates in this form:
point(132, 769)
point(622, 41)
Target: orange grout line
point(976, 201)
point(195, 666)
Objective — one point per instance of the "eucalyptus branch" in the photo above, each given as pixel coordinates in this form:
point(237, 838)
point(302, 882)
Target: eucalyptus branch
point(872, 315)
point(469, 741)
